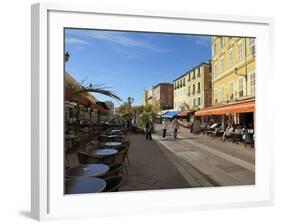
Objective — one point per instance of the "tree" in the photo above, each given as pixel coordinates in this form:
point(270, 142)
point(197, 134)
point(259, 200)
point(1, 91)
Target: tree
point(80, 89)
point(184, 106)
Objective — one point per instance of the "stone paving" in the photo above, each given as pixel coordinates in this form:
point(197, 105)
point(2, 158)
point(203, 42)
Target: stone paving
point(150, 168)
point(204, 161)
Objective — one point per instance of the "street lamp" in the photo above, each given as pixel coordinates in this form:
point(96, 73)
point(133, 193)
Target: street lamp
point(66, 56)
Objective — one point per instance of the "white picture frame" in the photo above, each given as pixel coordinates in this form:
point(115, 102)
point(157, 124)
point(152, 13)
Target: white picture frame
point(48, 201)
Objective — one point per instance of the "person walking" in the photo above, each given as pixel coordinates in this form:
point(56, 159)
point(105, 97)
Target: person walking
point(175, 125)
point(164, 128)
point(148, 129)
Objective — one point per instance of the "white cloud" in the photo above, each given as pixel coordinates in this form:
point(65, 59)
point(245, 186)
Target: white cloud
point(75, 41)
point(121, 39)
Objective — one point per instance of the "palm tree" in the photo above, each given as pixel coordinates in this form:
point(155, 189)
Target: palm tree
point(81, 89)
point(184, 106)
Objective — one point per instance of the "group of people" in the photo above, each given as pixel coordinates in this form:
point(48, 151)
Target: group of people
point(175, 124)
point(149, 126)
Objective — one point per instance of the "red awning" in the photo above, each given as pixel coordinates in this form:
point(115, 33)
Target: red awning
point(183, 113)
point(246, 106)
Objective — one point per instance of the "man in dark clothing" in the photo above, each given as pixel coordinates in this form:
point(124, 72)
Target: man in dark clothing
point(148, 129)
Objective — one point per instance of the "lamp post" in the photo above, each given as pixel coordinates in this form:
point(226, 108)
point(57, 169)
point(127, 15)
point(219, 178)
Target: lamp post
point(66, 56)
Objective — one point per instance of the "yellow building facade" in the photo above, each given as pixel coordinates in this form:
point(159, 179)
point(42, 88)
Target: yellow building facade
point(233, 62)
point(194, 88)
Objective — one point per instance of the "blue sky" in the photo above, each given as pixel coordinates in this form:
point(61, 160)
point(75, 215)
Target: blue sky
point(129, 62)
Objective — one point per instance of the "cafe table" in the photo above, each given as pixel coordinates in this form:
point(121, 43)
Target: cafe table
point(110, 144)
point(103, 152)
point(89, 170)
point(84, 185)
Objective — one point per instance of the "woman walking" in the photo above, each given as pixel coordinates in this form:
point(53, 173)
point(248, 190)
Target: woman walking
point(148, 129)
point(175, 126)
point(164, 128)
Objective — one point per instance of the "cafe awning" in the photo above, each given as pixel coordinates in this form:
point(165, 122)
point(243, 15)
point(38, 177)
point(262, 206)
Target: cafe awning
point(245, 106)
point(169, 114)
point(184, 113)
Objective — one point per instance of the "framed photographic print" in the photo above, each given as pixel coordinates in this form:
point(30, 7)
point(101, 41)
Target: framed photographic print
point(148, 111)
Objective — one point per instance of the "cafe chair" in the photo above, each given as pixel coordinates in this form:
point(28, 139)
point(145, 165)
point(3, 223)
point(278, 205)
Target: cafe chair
point(126, 145)
point(120, 158)
point(113, 183)
point(103, 139)
point(85, 158)
point(114, 170)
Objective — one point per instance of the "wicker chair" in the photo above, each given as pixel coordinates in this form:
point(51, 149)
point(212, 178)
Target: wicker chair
point(113, 183)
point(125, 146)
point(85, 158)
point(120, 158)
point(114, 170)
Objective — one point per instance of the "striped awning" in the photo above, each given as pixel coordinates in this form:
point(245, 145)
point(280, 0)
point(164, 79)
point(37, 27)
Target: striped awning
point(246, 106)
point(184, 113)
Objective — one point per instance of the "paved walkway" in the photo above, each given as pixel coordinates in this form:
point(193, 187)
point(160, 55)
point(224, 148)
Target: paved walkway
point(205, 161)
point(150, 167)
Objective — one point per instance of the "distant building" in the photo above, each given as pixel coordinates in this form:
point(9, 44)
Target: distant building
point(145, 97)
point(161, 94)
point(193, 89)
point(150, 95)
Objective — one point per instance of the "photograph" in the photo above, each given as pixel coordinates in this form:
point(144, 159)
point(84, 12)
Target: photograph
point(157, 111)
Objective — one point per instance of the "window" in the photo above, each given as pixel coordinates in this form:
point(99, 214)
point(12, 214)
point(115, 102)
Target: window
point(215, 96)
point(198, 88)
point(222, 64)
point(194, 102)
point(240, 50)
point(230, 55)
point(183, 81)
point(188, 91)
point(253, 83)
point(198, 101)
point(231, 91)
point(215, 68)
point(198, 72)
point(175, 85)
point(252, 46)
point(180, 83)
point(221, 42)
point(193, 89)
point(222, 93)
point(215, 48)
point(193, 75)
point(210, 84)
point(241, 88)
point(189, 77)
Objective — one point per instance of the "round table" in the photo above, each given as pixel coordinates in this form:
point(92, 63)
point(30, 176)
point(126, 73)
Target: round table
point(103, 152)
point(90, 170)
point(71, 136)
point(110, 144)
point(84, 185)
